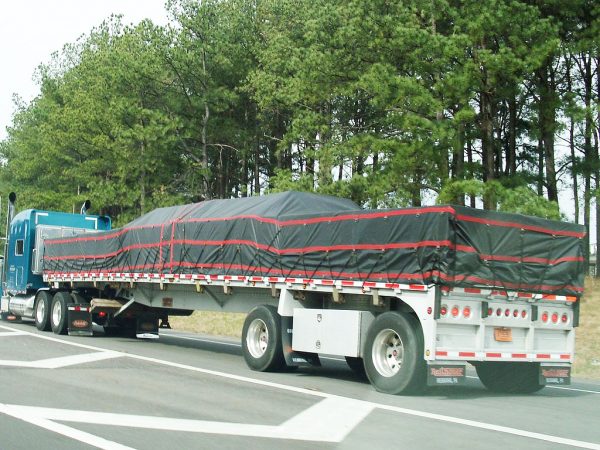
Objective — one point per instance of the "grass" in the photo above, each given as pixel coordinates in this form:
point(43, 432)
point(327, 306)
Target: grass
point(587, 342)
point(214, 323)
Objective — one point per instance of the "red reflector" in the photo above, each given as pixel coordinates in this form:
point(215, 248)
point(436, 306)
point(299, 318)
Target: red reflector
point(507, 312)
point(564, 318)
point(467, 312)
point(545, 317)
point(555, 318)
point(490, 311)
point(429, 310)
point(78, 308)
point(524, 314)
point(455, 311)
point(443, 310)
point(472, 291)
point(102, 314)
point(516, 313)
point(499, 312)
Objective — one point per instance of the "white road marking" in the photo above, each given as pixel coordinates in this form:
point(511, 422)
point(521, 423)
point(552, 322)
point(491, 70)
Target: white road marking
point(62, 361)
point(230, 344)
point(189, 338)
point(81, 436)
point(411, 412)
point(573, 389)
point(11, 333)
point(319, 423)
point(557, 387)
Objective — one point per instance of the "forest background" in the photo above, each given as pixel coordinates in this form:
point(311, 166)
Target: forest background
point(492, 104)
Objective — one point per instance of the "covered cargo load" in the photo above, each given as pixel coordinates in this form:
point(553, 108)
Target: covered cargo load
point(295, 234)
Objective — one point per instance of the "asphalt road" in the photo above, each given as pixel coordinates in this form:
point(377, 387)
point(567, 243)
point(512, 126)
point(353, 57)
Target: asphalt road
point(186, 391)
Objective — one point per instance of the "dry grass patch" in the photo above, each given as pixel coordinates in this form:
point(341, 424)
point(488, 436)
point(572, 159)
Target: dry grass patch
point(587, 342)
point(214, 323)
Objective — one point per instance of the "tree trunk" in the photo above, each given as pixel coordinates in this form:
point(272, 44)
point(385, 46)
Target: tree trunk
point(572, 144)
point(511, 155)
point(547, 117)
point(487, 147)
point(472, 199)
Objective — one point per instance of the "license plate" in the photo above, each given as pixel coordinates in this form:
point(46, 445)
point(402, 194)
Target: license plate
point(503, 334)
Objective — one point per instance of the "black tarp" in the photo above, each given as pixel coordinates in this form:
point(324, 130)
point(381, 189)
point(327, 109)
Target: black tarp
point(312, 236)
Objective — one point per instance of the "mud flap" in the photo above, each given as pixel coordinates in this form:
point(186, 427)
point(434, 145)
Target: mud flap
point(147, 326)
point(446, 374)
point(555, 375)
point(79, 320)
point(292, 358)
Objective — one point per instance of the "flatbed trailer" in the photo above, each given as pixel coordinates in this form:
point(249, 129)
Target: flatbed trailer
point(402, 335)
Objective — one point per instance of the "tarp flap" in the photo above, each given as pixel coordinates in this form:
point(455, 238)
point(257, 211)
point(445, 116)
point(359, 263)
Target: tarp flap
point(305, 235)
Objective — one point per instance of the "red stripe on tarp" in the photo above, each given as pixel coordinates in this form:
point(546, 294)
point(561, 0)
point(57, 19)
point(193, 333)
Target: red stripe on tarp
point(565, 356)
point(519, 355)
point(343, 247)
point(531, 259)
point(542, 356)
point(441, 353)
point(281, 223)
point(493, 355)
point(340, 218)
point(466, 354)
point(500, 223)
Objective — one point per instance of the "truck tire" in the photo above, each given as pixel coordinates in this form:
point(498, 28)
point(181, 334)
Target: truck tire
point(357, 366)
point(261, 340)
point(59, 313)
point(509, 377)
point(393, 355)
point(43, 303)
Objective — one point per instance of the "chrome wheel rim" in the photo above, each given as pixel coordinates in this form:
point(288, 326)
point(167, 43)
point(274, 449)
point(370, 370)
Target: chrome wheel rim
point(40, 311)
point(387, 352)
point(56, 313)
point(257, 338)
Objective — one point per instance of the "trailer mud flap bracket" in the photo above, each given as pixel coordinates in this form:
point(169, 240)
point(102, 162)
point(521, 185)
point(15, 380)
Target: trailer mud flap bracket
point(293, 358)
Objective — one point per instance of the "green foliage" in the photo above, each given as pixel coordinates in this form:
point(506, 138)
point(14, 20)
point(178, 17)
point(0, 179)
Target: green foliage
point(521, 200)
point(387, 103)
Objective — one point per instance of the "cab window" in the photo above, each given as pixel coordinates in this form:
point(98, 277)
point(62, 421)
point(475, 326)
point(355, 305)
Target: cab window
point(19, 247)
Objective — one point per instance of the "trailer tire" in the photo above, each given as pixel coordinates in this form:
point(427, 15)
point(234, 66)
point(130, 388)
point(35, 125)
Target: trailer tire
point(393, 355)
point(357, 366)
point(261, 340)
point(509, 377)
point(59, 314)
point(43, 303)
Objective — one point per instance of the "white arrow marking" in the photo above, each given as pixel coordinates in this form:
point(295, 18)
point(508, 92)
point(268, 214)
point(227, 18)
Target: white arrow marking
point(330, 420)
point(72, 433)
point(63, 361)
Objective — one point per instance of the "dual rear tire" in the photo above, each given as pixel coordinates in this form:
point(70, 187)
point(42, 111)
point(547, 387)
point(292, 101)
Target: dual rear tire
point(51, 312)
point(393, 357)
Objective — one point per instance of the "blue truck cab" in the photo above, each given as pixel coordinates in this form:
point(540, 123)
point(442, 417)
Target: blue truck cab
point(25, 252)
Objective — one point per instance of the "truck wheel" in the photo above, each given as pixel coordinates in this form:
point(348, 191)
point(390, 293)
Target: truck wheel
point(261, 340)
point(510, 377)
point(357, 366)
point(393, 355)
point(59, 312)
point(43, 303)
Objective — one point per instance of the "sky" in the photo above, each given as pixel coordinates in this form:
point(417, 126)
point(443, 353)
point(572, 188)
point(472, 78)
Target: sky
point(31, 30)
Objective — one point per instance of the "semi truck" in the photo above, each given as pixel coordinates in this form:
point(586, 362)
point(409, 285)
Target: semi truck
point(409, 297)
